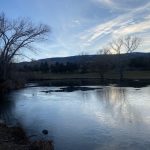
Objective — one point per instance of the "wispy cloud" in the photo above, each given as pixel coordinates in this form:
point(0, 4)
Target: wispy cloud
point(106, 2)
point(133, 28)
point(112, 4)
point(121, 4)
point(134, 22)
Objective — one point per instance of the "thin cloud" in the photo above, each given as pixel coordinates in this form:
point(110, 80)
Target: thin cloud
point(112, 4)
point(133, 29)
point(107, 2)
point(121, 5)
point(128, 23)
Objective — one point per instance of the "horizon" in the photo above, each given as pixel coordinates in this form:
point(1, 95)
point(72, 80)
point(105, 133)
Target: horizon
point(59, 57)
point(83, 26)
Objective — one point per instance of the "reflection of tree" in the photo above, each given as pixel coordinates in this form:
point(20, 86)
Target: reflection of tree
point(115, 102)
point(85, 96)
point(6, 107)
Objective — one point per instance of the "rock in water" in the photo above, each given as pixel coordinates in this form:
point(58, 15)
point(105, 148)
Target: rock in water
point(45, 132)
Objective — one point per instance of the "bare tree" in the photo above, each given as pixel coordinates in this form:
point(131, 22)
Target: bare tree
point(131, 43)
point(127, 44)
point(116, 46)
point(104, 51)
point(101, 65)
point(15, 36)
point(83, 53)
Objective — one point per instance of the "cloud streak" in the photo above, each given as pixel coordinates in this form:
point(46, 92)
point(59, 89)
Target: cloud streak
point(84, 25)
point(106, 2)
point(136, 21)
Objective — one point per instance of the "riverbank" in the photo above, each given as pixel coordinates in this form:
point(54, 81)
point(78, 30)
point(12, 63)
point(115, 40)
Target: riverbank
point(111, 75)
point(131, 78)
point(79, 79)
point(10, 85)
point(14, 138)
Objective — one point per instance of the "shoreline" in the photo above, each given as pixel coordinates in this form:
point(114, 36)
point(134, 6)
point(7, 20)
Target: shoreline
point(79, 79)
point(14, 138)
point(10, 85)
point(89, 82)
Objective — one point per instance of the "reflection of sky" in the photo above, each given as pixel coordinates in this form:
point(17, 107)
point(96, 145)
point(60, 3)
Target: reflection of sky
point(84, 25)
point(124, 105)
point(101, 118)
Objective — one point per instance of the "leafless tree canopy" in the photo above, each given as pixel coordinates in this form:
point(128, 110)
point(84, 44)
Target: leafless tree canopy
point(116, 46)
point(104, 51)
point(127, 44)
point(16, 35)
point(131, 43)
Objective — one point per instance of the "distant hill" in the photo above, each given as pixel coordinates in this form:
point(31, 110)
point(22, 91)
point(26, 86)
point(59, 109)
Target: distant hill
point(71, 59)
point(81, 58)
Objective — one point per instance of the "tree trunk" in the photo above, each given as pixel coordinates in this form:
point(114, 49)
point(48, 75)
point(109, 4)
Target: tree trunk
point(121, 69)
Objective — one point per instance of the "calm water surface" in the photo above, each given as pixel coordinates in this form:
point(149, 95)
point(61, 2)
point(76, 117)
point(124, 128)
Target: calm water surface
point(111, 118)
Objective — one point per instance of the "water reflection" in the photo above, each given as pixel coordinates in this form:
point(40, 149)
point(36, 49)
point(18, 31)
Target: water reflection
point(106, 118)
point(116, 103)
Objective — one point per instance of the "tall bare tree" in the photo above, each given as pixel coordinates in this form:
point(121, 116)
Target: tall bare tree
point(127, 44)
point(15, 36)
point(101, 65)
point(116, 46)
point(104, 51)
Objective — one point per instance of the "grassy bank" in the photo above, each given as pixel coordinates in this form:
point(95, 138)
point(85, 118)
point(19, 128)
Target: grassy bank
point(14, 138)
point(93, 78)
point(135, 75)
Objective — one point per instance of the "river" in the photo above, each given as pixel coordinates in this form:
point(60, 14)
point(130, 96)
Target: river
point(109, 117)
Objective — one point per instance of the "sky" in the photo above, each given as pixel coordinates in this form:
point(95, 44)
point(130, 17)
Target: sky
point(82, 26)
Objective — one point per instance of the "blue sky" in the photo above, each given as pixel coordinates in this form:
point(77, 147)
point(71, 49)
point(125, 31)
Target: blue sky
point(83, 25)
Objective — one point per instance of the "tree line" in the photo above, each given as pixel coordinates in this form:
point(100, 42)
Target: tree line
point(44, 67)
point(100, 64)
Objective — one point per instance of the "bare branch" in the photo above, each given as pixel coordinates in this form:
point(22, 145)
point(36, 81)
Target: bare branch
point(16, 35)
point(104, 51)
point(131, 43)
point(116, 46)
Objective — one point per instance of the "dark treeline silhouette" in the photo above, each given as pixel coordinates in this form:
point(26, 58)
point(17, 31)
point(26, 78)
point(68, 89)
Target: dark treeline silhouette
point(57, 67)
point(140, 63)
point(101, 64)
point(61, 68)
